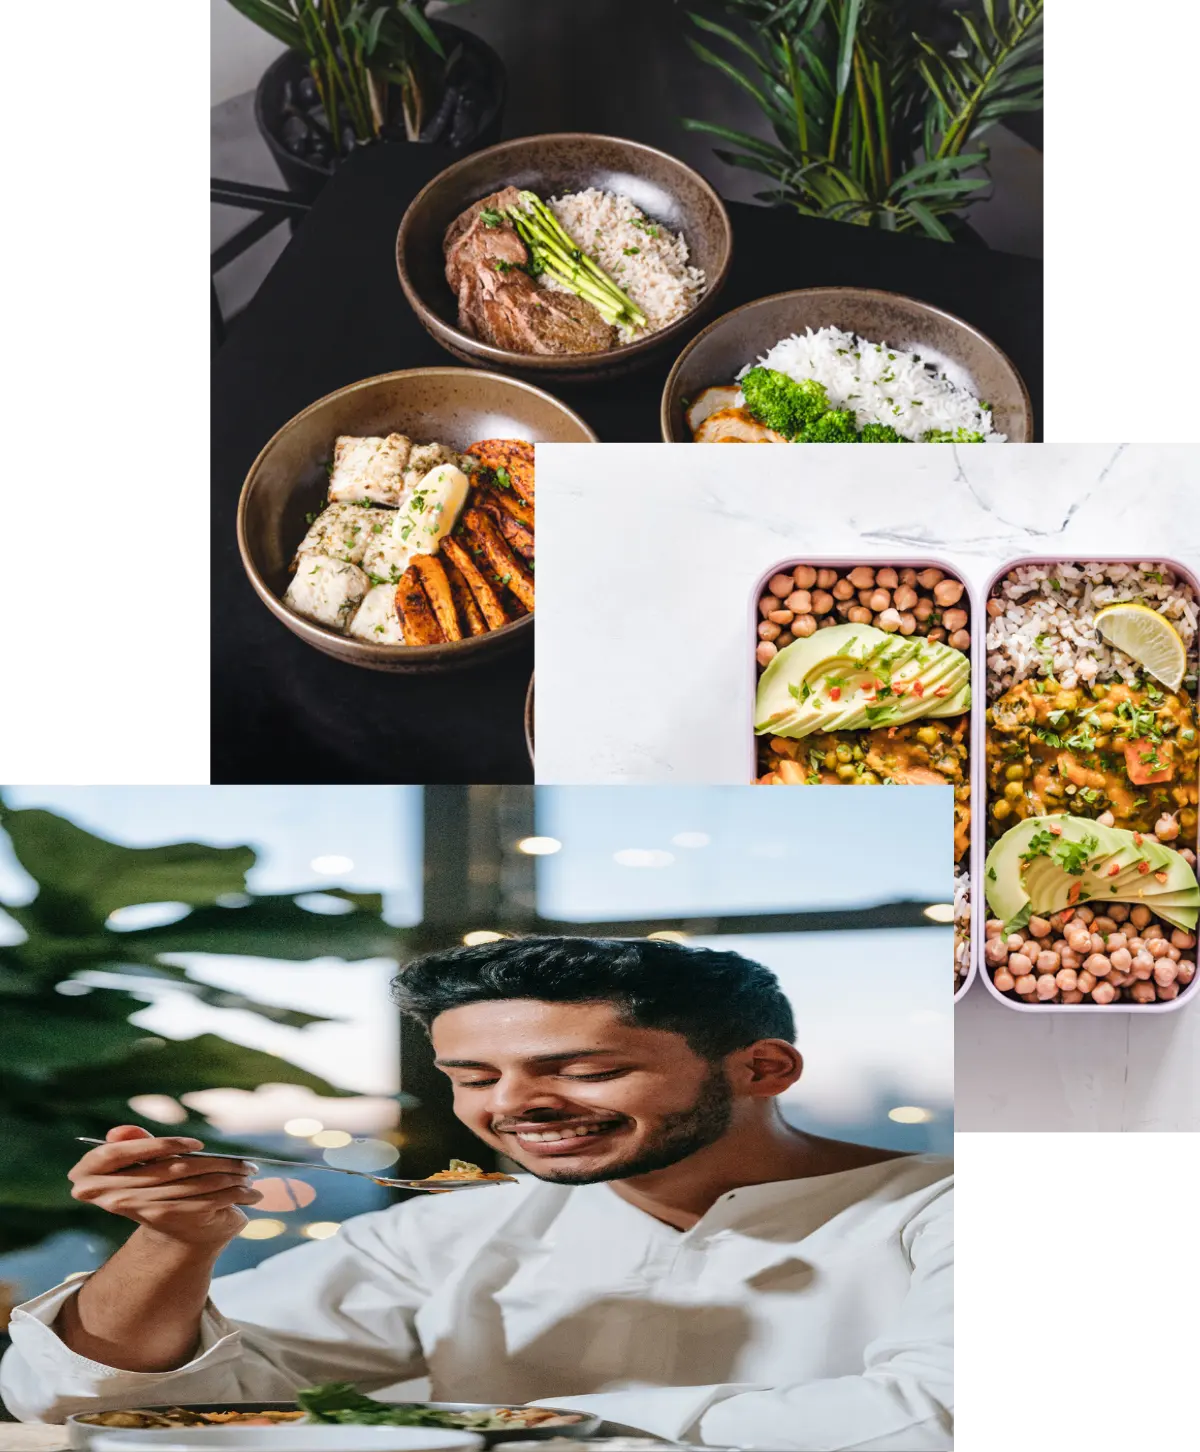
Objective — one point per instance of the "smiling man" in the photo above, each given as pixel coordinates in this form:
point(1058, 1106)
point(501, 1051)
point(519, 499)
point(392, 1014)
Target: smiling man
point(679, 1259)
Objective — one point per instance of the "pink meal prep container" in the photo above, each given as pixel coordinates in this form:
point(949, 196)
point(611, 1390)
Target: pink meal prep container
point(828, 562)
point(979, 912)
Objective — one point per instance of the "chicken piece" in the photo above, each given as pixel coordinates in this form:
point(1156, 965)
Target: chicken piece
point(485, 596)
point(369, 469)
point(735, 426)
point(376, 619)
point(327, 591)
point(468, 611)
point(509, 570)
point(437, 587)
point(417, 618)
point(511, 461)
point(341, 531)
point(709, 400)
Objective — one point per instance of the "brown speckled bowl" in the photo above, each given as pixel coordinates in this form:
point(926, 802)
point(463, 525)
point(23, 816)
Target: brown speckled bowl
point(454, 406)
point(529, 719)
point(665, 189)
point(726, 346)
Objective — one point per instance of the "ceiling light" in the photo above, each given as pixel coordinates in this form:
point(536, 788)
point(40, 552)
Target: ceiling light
point(332, 865)
point(539, 846)
point(668, 935)
point(691, 839)
point(303, 1128)
point(320, 1229)
point(643, 857)
point(909, 1114)
point(332, 1138)
point(481, 935)
point(940, 912)
point(262, 1229)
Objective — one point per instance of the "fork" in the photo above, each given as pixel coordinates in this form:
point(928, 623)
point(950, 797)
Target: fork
point(431, 1186)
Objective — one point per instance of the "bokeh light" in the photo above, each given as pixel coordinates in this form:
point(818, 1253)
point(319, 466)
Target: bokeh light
point(331, 1138)
point(940, 912)
point(159, 1107)
point(481, 935)
point(539, 846)
point(910, 1114)
point(643, 857)
point(283, 1195)
point(262, 1229)
point(368, 1155)
point(332, 865)
point(303, 1128)
point(320, 1229)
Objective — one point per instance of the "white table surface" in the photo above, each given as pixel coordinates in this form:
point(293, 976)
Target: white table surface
point(649, 556)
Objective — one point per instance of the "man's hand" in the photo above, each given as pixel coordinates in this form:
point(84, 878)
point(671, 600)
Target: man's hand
point(190, 1201)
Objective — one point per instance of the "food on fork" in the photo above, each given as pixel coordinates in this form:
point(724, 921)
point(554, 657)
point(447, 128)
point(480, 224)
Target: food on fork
point(464, 1170)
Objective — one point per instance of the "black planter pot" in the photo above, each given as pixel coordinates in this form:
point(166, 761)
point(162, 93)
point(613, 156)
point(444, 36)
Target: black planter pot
point(475, 124)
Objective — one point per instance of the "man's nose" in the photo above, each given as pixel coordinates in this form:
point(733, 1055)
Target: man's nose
point(516, 1095)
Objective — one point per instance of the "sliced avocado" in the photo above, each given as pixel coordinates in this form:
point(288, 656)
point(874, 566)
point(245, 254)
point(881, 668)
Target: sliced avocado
point(1130, 859)
point(1179, 915)
point(791, 700)
point(1004, 876)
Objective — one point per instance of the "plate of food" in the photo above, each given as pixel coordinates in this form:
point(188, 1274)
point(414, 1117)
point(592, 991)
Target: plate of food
point(568, 255)
point(391, 524)
point(843, 365)
point(863, 678)
point(339, 1404)
point(1088, 763)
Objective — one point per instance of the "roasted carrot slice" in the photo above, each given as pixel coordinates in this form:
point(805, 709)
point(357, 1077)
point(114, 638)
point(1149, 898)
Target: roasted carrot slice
point(467, 608)
point(417, 620)
point(485, 597)
point(1147, 762)
point(437, 587)
point(511, 460)
point(504, 501)
point(509, 570)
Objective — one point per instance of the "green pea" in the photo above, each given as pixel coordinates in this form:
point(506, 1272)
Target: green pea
point(1014, 791)
point(1016, 772)
point(844, 753)
point(1000, 810)
point(846, 772)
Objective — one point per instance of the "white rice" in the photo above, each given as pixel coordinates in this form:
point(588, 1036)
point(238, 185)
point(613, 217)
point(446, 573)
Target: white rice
point(962, 925)
point(914, 393)
point(1048, 620)
point(643, 258)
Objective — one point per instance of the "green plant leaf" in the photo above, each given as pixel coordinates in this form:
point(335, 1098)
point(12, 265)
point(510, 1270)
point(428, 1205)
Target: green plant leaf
point(928, 221)
point(422, 26)
point(276, 20)
point(38, 1045)
point(849, 35)
point(726, 68)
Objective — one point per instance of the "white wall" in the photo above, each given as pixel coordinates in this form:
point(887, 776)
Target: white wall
point(239, 51)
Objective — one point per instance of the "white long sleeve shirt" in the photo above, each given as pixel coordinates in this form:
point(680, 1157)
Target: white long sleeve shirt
point(810, 1314)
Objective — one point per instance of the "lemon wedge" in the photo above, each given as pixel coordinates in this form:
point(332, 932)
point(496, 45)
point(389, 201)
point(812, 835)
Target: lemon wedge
point(1148, 637)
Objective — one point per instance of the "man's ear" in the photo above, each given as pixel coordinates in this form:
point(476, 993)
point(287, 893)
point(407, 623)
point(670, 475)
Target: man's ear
point(767, 1068)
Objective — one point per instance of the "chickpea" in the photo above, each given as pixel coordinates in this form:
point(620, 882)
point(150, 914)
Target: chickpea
point(927, 735)
point(1187, 854)
point(1085, 982)
point(1142, 993)
point(767, 630)
point(908, 623)
point(1103, 993)
point(1174, 953)
point(780, 585)
point(804, 577)
point(923, 609)
point(1165, 972)
point(954, 619)
point(803, 626)
point(1068, 958)
point(948, 592)
point(843, 590)
point(861, 577)
point(1004, 980)
point(1072, 996)
point(781, 617)
point(995, 607)
point(1118, 912)
point(889, 620)
point(1139, 916)
point(1084, 914)
point(822, 602)
point(1168, 991)
point(825, 579)
point(827, 621)
point(1136, 945)
point(1121, 959)
point(799, 602)
point(937, 633)
point(1097, 942)
point(1047, 961)
point(864, 596)
point(1015, 942)
point(1152, 931)
point(1066, 979)
point(993, 927)
point(859, 614)
point(904, 597)
point(1166, 829)
point(766, 652)
point(1001, 809)
point(880, 600)
point(1103, 925)
point(960, 640)
point(1020, 964)
point(1046, 987)
point(1180, 939)
point(1026, 984)
point(927, 579)
point(1159, 948)
point(1098, 964)
point(1115, 940)
point(889, 579)
point(1080, 942)
point(1142, 965)
point(1014, 791)
point(1186, 970)
point(1039, 927)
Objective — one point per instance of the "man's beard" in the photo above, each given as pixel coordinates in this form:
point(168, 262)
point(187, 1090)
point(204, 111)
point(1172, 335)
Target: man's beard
point(679, 1135)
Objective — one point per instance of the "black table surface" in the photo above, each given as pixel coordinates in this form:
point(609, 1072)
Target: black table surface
point(330, 312)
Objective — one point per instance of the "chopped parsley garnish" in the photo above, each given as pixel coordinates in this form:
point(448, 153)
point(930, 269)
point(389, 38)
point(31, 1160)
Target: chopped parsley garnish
point(490, 217)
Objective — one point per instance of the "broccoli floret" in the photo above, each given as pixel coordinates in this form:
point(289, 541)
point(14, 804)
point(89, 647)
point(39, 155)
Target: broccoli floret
point(781, 403)
point(880, 434)
point(959, 436)
point(837, 426)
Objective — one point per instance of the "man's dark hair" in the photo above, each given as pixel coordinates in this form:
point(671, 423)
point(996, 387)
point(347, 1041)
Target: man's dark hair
point(718, 1001)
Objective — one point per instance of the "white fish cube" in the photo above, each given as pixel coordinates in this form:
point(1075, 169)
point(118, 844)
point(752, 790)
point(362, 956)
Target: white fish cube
point(369, 469)
point(376, 619)
point(327, 591)
point(342, 531)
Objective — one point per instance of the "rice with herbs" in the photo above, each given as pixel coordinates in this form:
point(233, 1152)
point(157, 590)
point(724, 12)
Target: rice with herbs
point(1041, 620)
point(915, 393)
point(962, 926)
point(644, 258)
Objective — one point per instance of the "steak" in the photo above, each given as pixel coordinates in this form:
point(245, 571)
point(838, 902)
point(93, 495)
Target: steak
point(499, 303)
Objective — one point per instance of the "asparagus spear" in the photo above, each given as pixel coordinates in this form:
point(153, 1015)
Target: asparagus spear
point(554, 251)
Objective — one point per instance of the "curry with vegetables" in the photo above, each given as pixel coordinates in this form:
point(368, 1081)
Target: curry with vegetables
point(1127, 750)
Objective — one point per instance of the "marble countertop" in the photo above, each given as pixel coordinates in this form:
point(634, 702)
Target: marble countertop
point(650, 554)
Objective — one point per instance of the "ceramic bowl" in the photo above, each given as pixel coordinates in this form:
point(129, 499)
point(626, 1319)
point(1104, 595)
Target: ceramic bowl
point(726, 346)
point(665, 189)
point(454, 406)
